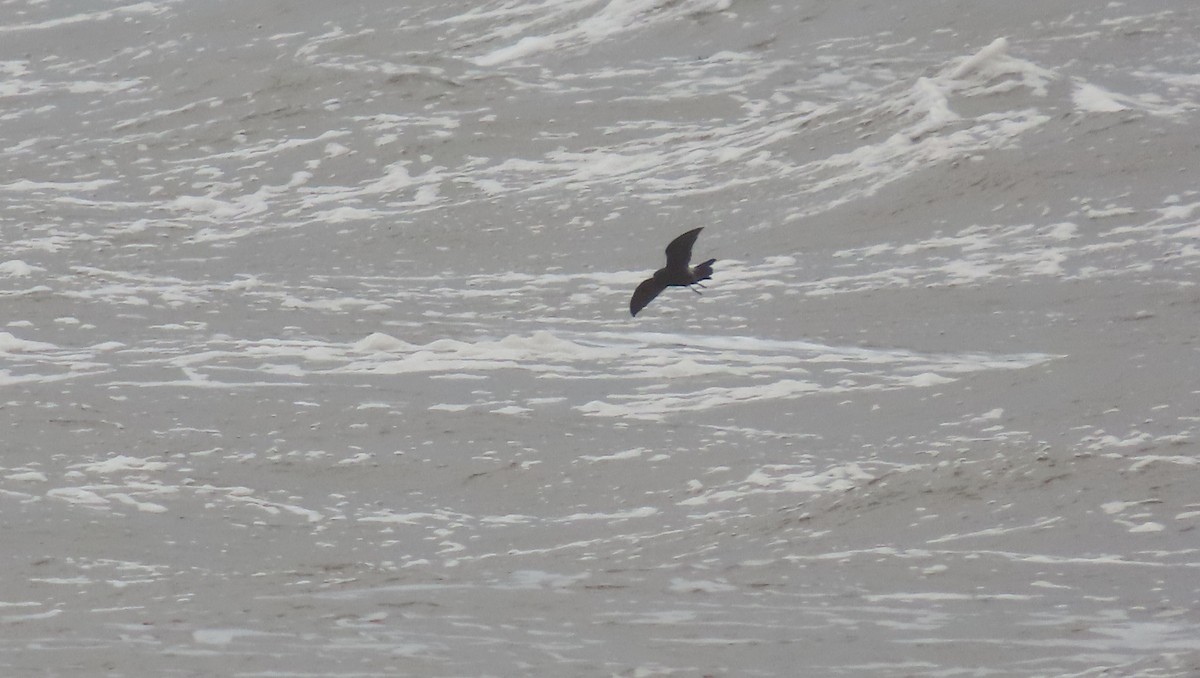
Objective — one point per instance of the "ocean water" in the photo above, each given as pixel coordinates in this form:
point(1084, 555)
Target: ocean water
point(316, 358)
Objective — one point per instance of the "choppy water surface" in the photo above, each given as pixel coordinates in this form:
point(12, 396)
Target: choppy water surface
point(315, 357)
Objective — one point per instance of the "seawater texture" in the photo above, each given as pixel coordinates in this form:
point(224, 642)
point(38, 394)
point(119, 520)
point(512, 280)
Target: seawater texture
point(316, 359)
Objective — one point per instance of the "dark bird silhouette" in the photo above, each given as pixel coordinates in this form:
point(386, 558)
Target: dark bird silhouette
point(676, 273)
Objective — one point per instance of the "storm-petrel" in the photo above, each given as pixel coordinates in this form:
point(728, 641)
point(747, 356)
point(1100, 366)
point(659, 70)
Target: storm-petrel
point(676, 273)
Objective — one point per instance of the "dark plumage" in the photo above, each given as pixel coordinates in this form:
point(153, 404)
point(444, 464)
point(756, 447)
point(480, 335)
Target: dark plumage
point(676, 273)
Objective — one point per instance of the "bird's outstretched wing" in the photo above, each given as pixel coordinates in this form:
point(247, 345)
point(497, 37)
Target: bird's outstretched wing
point(679, 252)
point(644, 294)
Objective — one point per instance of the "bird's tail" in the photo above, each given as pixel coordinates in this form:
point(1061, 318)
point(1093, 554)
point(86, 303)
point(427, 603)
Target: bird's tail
point(703, 271)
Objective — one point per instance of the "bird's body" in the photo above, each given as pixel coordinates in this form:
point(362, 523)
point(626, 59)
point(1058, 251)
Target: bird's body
point(676, 273)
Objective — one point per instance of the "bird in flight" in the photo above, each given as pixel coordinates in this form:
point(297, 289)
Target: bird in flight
point(676, 273)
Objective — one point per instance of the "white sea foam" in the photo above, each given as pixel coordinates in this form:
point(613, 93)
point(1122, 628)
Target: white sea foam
point(11, 344)
point(121, 464)
point(782, 479)
point(609, 20)
point(1092, 99)
point(15, 268)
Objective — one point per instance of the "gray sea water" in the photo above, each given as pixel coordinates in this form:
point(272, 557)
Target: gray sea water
point(316, 358)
